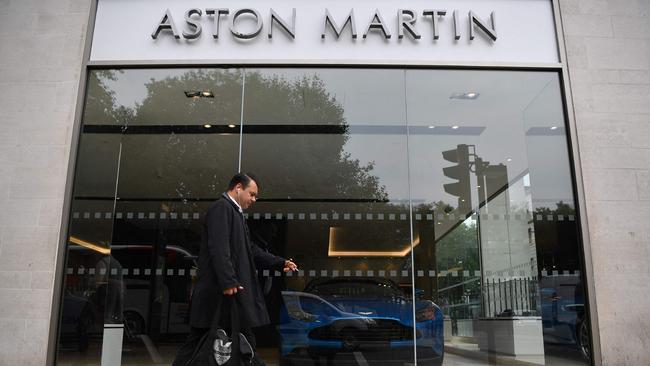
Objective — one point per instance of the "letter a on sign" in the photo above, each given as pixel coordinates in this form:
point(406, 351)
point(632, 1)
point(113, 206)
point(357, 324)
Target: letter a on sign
point(165, 23)
point(377, 23)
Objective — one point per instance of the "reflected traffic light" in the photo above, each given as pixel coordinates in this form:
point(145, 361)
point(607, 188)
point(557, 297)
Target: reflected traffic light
point(459, 172)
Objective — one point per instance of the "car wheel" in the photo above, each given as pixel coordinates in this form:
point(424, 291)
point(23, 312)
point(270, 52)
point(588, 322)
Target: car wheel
point(134, 323)
point(583, 340)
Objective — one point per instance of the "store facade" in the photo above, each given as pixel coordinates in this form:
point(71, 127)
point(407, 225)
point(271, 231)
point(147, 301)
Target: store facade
point(437, 203)
point(419, 164)
point(417, 168)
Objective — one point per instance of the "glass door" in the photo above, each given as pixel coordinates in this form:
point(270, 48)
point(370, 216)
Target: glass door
point(330, 149)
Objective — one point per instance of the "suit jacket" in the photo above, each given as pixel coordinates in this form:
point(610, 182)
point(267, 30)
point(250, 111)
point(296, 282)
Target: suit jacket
point(227, 259)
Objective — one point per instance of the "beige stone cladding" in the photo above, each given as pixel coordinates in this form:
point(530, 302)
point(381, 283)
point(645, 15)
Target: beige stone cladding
point(608, 51)
point(41, 49)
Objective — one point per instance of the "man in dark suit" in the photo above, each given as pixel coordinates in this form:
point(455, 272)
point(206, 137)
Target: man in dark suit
point(227, 263)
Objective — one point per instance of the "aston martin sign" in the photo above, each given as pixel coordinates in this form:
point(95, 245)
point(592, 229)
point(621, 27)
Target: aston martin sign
point(328, 31)
point(405, 22)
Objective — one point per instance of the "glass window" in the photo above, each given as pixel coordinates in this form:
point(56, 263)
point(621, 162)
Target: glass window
point(157, 147)
point(495, 218)
point(431, 213)
point(326, 200)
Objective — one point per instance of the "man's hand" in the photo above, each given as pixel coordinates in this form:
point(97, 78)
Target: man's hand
point(233, 290)
point(290, 266)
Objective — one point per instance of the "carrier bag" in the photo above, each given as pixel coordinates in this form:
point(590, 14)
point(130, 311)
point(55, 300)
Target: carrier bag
point(217, 347)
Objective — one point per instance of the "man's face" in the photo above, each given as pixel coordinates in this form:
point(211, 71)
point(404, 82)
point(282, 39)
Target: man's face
point(247, 196)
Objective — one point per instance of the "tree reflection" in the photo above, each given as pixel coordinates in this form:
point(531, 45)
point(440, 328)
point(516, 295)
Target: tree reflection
point(101, 104)
point(297, 164)
point(182, 164)
point(167, 104)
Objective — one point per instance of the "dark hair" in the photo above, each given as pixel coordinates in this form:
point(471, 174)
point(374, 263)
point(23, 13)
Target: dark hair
point(244, 178)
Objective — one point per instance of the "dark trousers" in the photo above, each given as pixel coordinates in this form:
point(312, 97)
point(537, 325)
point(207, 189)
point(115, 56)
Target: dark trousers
point(187, 349)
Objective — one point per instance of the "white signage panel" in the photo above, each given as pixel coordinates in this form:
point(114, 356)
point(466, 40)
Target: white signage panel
point(289, 31)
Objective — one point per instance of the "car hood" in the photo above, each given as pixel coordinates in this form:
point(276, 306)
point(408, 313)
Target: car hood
point(395, 308)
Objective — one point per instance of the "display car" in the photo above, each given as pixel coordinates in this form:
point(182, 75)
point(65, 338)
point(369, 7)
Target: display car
point(99, 284)
point(564, 316)
point(358, 320)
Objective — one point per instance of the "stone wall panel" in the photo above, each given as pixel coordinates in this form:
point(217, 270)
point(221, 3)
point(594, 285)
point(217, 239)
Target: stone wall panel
point(612, 62)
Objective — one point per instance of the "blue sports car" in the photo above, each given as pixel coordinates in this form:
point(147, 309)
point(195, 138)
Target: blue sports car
point(563, 313)
point(358, 321)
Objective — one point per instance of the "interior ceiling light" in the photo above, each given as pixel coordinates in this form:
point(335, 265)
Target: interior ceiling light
point(455, 127)
point(207, 125)
point(336, 235)
point(90, 245)
point(471, 95)
point(232, 126)
point(432, 126)
point(554, 128)
point(195, 94)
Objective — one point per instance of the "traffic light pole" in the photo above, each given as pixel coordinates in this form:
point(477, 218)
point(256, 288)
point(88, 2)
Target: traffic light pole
point(491, 180)
point(480, 184)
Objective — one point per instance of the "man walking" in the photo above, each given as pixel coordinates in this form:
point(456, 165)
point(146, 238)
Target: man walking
point(227, 264)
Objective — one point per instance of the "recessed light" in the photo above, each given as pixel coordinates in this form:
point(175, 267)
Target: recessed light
point(196, 94)
point(432, 126)
point(554, 128)
point(509, 159)
point(207, 125)
point(455, 127)
point(465, 95)
point(232, 126)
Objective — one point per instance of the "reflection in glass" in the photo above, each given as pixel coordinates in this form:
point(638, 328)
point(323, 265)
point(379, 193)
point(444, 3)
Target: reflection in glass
point(484, 173)
point(151, 159)
point(429, 226)
point(338, 210)
point(93, 291)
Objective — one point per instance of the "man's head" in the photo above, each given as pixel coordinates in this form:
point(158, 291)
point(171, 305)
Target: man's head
point(243, 188)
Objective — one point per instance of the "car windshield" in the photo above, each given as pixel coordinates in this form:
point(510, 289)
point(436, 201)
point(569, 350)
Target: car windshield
point(365, 289)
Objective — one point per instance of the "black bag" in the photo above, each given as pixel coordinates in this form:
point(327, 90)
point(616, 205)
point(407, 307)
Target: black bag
point(216, 348)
